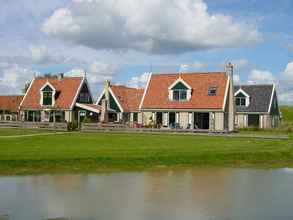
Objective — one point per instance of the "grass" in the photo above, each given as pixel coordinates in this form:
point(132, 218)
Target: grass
point(93, 152)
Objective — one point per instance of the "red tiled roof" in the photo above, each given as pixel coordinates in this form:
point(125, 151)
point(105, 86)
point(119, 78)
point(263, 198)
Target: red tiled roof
point(129, 98)
point(66, 88)
point(10, 103)
point(156, 96)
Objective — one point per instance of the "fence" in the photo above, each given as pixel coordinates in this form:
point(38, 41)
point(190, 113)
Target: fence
point(98, 127)
point(33, 125)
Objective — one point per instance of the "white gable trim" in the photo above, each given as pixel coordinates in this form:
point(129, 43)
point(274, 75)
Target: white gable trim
point(145, 90)
point(48, 84)
point(53, 93)
point(177, 81)
point(241, 91)
point(114, 97)
point(247, 97)
point(226, 93)
point(77, 93)
point(272, 97)
point(100, 97)
point(26, 93)
point(88, 87)
point(116, 100)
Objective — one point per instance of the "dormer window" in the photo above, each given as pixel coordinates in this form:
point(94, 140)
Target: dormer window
point(241, 98)
point(212, 91)
point(179, 91)
point(47, 95)
point(180, 95)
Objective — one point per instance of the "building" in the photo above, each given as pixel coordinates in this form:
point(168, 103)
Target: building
point(9, 107)
point(189, 100)
point(57, 99)
point(256, 106)
point(123, 102)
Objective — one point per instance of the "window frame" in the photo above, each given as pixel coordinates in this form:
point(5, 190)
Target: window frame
point(180, 93)
point(240, 104)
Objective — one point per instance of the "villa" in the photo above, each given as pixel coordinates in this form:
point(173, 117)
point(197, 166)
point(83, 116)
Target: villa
point(56, 99)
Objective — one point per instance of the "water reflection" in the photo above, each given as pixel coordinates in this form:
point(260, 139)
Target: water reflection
point(203, 194)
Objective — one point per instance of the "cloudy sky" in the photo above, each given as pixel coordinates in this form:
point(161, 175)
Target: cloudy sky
point(123, 40)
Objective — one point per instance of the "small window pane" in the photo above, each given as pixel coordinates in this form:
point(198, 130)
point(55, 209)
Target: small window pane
point(183, 95)
point(176, 95)
point(47, 98)
point(237, 101)
point(243, 102)
point(212, 91)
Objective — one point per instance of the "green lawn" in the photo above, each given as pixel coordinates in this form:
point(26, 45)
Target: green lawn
point(16, 131)
point(93, 152)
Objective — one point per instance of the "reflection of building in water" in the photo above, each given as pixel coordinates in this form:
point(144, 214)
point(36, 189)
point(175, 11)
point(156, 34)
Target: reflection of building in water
point(185, 193)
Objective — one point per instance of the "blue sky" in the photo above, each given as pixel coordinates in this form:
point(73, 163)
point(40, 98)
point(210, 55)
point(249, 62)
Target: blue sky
point(122, 40)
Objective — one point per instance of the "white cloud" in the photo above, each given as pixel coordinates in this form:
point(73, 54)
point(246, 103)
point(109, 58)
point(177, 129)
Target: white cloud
point(288, 73)
point(13, 78)
point(261, 77)
point(138, 81)
point(240, 63)
point(99, 72)
point(153, 26)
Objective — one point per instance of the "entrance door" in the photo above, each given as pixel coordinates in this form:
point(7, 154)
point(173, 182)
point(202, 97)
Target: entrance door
point(172, 119)
point(159, 119)
point(201, 120)
point(253, 121)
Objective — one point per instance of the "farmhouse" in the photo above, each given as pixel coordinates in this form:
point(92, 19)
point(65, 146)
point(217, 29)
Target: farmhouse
point(124, 101)
point(9, 107)
point(56, 99)
point(189, 100)
point(256, 106)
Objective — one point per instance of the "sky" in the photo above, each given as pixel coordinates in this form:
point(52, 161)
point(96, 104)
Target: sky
point(123, 40)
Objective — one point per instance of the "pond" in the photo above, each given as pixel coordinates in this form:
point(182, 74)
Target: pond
point(184, 194)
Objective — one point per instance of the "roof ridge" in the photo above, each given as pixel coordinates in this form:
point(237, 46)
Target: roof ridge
point(187, 73)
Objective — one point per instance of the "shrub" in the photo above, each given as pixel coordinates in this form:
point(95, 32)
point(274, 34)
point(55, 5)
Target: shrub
point(72, 126)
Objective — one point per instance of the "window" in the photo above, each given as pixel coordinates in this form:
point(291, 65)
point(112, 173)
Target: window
point(212, 91)
point(180, 95)
point(47, 95)
point(135, 116)
point(47, 98)
point(240, 101)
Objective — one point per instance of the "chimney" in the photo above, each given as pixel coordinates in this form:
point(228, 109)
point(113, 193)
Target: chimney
point(231, 103)
point(60, 76)
point(107, 93)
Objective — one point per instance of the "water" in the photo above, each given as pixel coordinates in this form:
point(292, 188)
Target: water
point(197, 194)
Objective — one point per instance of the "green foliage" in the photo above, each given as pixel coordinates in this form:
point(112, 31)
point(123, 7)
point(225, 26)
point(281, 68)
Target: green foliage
point(287, 113)
point(72, 126)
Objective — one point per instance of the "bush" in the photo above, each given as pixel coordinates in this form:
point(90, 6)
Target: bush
point(72, 126)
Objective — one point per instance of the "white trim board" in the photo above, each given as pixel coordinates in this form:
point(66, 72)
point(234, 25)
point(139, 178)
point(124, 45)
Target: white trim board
point(177, 81)
point(145, 90)
point(26, 93)
point(226, 93)
point(272, 97)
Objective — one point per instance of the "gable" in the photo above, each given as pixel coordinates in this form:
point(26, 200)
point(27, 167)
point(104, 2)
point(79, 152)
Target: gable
point(113, 104)
point(47, 88)
point(179, 85)
point(84, 95)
